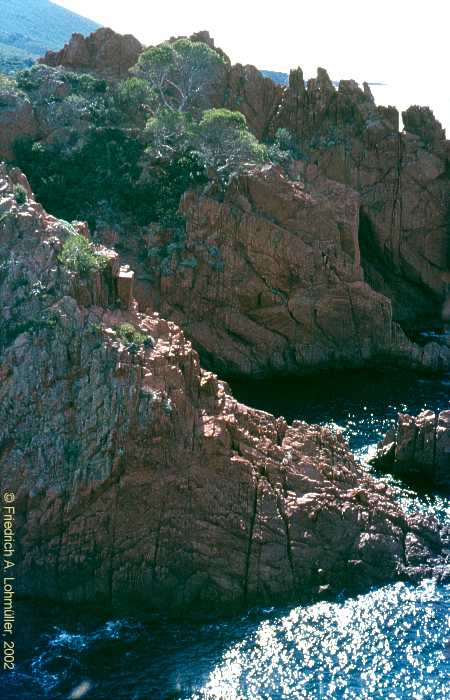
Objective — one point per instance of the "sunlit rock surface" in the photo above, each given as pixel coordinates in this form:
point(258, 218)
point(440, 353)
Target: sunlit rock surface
point(141, 483)
point(419, 447)
point(104, 52)
point(271, 279)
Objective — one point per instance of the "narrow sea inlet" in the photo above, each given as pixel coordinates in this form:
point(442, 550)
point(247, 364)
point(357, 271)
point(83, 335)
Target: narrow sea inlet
point(391, 643)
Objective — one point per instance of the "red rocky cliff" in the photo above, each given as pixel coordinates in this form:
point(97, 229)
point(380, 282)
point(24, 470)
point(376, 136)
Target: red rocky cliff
point(271, 279)
point(141, 483)
point(364, 213)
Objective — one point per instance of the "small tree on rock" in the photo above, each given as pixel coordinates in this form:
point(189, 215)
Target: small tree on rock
point(225, 143)
point(179, 72)
point(168, 133)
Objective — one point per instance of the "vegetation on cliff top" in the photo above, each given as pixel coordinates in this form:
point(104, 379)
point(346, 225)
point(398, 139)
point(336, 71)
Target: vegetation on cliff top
point(123, 154)
point(133, 338)
point(180, 74)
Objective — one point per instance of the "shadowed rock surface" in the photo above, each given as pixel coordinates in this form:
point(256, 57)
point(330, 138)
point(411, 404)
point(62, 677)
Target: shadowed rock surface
point(141, 483)
point(418, 447)
point(17, 120)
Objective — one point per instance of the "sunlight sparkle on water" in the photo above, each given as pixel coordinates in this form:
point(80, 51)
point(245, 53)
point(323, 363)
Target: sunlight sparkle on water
point(379, 645)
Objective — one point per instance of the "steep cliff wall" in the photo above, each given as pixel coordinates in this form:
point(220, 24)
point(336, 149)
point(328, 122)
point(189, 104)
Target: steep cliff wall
point(140, 482)
point(270, 279)
point(402, 178)
point(363, 212)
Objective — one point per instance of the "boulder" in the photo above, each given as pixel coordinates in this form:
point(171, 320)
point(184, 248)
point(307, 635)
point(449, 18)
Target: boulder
point(418, 448)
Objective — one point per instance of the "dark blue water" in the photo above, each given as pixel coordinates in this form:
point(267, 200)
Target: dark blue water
point(392, 643)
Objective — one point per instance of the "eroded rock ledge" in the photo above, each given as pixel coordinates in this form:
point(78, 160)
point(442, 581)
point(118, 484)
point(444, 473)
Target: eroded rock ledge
point(141, 483)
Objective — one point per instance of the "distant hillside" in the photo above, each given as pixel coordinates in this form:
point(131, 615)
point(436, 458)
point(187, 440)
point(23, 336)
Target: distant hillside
point(29, 28)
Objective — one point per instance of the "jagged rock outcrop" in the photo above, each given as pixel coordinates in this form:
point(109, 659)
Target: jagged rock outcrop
point(270, 279)
point(104, 53)
point(402, 179)
point(418, 447)
point(140, 482)
point(421, 122)
point(257, 97)
point(399, 182)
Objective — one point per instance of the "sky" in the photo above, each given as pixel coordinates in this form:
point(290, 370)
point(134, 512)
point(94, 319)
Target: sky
point(399, 43)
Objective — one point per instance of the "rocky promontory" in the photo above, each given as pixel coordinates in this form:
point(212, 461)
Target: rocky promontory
point(338, 258)
point(141, 483)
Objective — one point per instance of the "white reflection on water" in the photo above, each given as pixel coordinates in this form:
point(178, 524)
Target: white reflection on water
point(389, 643)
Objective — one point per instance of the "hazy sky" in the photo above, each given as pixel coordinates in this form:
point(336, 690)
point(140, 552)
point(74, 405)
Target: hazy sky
point(403, 44)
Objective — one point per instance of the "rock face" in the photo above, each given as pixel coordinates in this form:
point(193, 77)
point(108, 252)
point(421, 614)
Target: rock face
point(364, 214)
point(258, 98)
point(402, 179)
point(103, 53)
point(270, 279)
point(140, 482)
point(418, 447)
point(17, 120)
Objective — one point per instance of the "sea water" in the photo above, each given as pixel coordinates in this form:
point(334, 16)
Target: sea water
point(391, 643)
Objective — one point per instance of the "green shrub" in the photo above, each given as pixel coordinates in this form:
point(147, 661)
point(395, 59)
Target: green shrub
point(8, 85)
point(225, 142)
point(95, 328)
point(179, 73)
point(104, 178)
point(20, 194)
point(79, 256)
point(133, 93)
point(133, 338)
point(24, 80)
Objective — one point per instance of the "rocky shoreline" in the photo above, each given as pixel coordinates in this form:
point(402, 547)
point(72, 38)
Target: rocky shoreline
point(141, 483)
